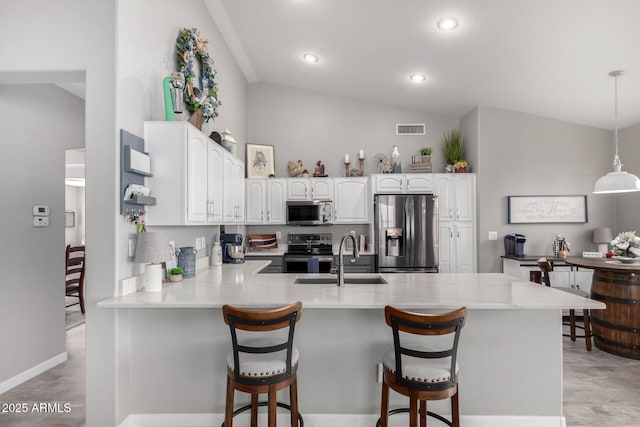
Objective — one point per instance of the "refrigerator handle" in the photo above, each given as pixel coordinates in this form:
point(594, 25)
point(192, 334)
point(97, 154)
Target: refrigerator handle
point(410, 228)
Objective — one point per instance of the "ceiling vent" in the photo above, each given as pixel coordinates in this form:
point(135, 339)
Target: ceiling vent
point(410, 129)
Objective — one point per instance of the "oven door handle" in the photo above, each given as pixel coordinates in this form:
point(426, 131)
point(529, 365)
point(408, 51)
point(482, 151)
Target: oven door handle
point(305, 258)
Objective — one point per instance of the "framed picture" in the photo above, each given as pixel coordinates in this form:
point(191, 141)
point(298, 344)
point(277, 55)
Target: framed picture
point(260, 161)
point(547, 209)
point(69, 219)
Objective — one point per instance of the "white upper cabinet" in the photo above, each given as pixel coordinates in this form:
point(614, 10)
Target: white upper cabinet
point(352, 201)
point(310, 189)
point(215, 183)
point(403, 183)
point(266, 200)
point(456, 196)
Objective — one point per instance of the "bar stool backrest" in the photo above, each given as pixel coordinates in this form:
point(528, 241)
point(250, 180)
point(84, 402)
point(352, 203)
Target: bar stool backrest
point(261, 321)
point(545, 266)
point(425, 324)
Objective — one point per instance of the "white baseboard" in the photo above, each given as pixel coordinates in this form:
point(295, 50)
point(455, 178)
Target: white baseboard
point(32, 372)
point(333, 420)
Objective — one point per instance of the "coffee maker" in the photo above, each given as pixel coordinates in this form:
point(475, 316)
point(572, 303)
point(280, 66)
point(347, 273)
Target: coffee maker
point(232, 249)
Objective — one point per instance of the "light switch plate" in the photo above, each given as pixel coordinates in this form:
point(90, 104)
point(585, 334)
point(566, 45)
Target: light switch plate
point(40, 221)
point(493, 235)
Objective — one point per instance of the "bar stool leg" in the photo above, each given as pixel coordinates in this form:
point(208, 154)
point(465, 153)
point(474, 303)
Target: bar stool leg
point(272, 406)
point(293, 399)
point(423, 413)
point(384, 406)
point(413, 411)
point(455, 410)
point(228, 412)
point(587, 329)
point(572, 324)
point(254, 410)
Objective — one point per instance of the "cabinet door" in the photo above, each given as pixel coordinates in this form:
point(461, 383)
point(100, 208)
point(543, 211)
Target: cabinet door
point(389, 183)
point(351, 201)
point(256, 201)
point(583, 280)
point(419, 183)
point(276, 201)
point(445, 197)
point(298, 189)
point(464, 197)
point(197, 200)
point(238, 190)
point(215, 183)
point(447, 246)
point(464, 254)
point(228, 202)
point(321, 189)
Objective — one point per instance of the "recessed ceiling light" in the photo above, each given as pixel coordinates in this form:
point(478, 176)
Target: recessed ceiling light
point(417, 78)
point(448, 23)
point(310, 57)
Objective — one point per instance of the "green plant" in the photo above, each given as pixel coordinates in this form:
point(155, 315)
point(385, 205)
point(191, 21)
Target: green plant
point(175, 271)
point(452, 146)
point(272, 175)
point(426, 151)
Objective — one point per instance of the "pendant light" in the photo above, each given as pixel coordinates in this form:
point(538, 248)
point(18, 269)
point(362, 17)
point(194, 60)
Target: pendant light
point(617, 181)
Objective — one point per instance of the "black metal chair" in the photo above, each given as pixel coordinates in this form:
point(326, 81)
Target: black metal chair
point(546, 267)
point(422, 372)
point(258, 366)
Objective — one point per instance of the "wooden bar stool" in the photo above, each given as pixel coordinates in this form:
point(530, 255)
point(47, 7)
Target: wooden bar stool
point(546, 267)
point(262, 365)
point(419, 371)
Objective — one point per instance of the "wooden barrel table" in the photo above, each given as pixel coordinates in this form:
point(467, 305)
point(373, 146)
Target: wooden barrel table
point(616, 329)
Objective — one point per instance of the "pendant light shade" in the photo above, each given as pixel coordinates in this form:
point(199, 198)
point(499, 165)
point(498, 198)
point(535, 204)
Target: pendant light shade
point(617, 181)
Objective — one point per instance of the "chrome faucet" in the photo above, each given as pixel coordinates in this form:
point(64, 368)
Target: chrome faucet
point(340, 261)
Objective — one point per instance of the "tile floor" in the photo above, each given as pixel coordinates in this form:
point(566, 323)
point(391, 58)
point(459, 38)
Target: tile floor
point(599, 389)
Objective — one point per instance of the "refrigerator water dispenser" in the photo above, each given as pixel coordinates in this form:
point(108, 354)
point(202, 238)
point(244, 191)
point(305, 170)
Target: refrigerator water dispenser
point(393, 244)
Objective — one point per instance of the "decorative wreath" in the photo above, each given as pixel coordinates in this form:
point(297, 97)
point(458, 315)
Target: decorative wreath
point(191, 46)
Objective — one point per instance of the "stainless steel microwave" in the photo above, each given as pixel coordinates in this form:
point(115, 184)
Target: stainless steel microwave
point(309, 212)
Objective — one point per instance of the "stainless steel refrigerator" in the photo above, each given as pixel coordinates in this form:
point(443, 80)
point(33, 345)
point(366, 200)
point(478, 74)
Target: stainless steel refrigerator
point(406, 227)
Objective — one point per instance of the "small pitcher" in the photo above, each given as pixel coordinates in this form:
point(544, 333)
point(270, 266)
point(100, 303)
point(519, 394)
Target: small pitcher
point(187, 261)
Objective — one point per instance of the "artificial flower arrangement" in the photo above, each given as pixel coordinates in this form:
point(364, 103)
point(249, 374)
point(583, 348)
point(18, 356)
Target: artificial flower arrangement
point(190, 46)
point(626, 244)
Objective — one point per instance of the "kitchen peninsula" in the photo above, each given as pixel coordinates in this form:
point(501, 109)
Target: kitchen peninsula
point(173, 344)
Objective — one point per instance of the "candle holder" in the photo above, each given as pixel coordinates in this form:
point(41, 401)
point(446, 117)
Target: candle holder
point(346, 168)
point(361, 167)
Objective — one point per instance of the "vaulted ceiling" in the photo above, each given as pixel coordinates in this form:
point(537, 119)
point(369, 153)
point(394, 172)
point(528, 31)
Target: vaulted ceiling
point(544, 57)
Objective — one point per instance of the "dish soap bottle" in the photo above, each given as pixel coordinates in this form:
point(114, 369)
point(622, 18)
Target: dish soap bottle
point(216, 252)
point(395, 160)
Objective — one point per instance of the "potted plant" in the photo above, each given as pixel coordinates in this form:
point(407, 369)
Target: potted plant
point(452, 148)
point(175, 274)
point(425, 154)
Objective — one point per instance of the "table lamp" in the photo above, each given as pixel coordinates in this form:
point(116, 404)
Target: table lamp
point(603, 237)
point(152, 248)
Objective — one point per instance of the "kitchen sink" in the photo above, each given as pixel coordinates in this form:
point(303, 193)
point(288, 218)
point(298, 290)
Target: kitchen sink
point(348, 280)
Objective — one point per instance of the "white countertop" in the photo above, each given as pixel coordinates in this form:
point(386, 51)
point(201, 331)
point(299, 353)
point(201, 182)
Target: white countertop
point(282, 250)
point(240, 285)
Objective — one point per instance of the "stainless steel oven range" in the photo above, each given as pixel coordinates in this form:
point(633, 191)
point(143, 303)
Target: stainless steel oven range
point(308, 253)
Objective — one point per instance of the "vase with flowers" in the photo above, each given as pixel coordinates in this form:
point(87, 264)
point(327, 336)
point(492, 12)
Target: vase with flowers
point(626, 246)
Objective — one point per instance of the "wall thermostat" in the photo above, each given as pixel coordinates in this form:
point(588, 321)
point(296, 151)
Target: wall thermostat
point(40, 221)
point(41, 210)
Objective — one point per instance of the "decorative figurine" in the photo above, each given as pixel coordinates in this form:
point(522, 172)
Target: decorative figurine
point(305, 173)
point(295, 169)
point(319, 170)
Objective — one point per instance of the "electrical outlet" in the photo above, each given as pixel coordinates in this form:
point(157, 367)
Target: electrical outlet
point(203, 242)
point(278, 234)
point(132, 248)
point(493, 235)
point(379, 373)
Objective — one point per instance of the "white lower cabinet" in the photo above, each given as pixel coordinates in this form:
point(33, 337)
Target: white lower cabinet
point(266, 200)
point(457, 248)
point(352, 201)
point(563, 275)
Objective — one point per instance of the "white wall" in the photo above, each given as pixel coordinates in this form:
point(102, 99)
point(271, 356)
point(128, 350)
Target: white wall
point(144, 59)
point(627, 205)
point(520, 154)
point(32, 173)
point(308, 126)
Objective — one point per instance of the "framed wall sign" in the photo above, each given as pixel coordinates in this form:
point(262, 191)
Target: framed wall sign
point(260, 161)
point(547, 209)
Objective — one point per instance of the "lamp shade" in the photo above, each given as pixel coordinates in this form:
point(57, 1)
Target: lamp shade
point(152, 247)
point(602, 235)
point(617, 182)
